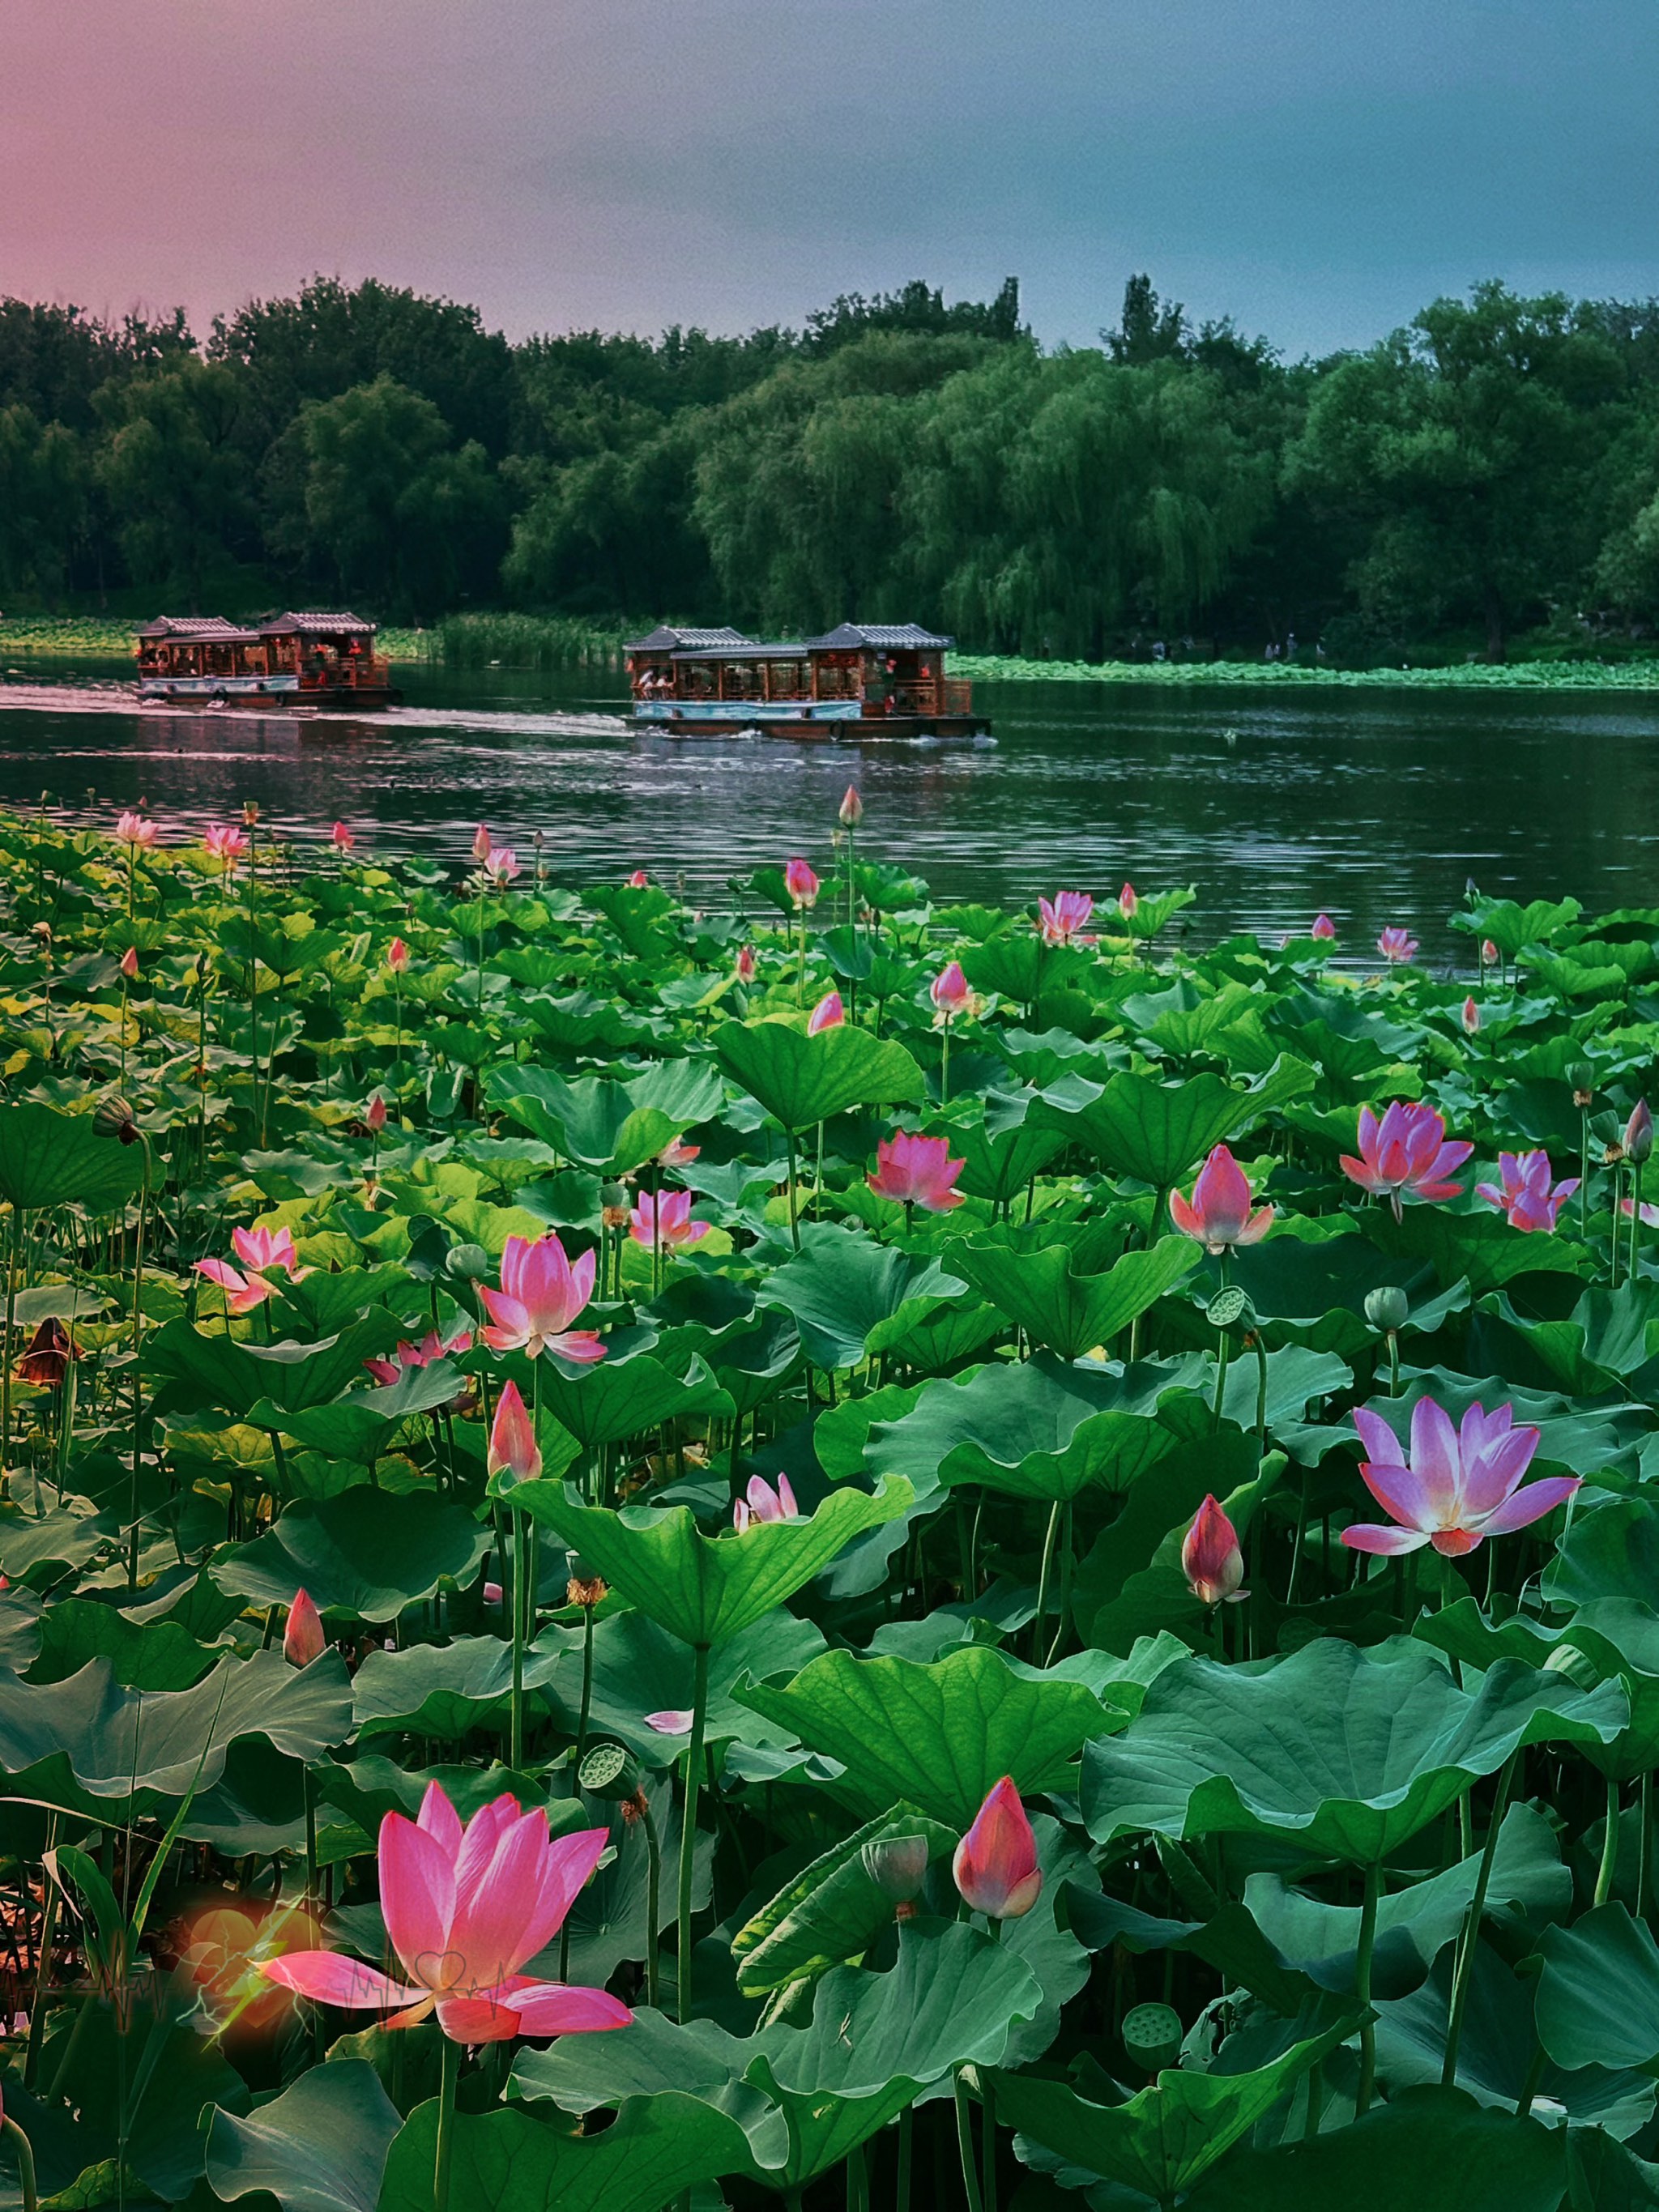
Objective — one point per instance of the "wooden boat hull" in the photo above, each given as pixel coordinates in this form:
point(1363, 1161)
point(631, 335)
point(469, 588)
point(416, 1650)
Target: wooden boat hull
point(818, 729)
point(273, 697)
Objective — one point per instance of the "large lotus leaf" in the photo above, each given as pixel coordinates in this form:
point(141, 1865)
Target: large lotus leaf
point(613, 1127)
point(935, 1736)
point(206, 1367)
point(1350, 1750)
point(1609, 1550)
point(319, 2146)
point(657, 2147)
point(1604, 2176)
point(1512, 927)
point(752, 1364)
point(1479, 1248)
point(1425, 2150)
point(1132, 1583)
point(1155, 1131)
point(639, 1668)
point(1044, 1938)
point(1162, 2139)
point(1620, 1636)
point(48, 1158)
point(1413, 1925)
point(172, 2072)
point(1228, 1940)
point(150, 1654)
point(850, 1296)
point(801, 1079)
point(40, 1548)
point(88, 1738)
point(1073, 1314)
point(1040, 1428)
point(1313, 1290)
point(617, 1398)
point(363, 1425)
point(444, 1690)
point(329, 1299)
point(1607, 1340)
point(610, 1920)
point(1024, 968)
point(1598, 1996)
point(1000, 1154)
point(367, 1553)
point(706, 1589)
point(831, 1911)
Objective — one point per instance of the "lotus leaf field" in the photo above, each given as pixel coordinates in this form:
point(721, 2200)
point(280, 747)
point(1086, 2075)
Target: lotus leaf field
point(841, 1552)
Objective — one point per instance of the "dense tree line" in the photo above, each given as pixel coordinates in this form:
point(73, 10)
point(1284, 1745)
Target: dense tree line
point(1491, 468)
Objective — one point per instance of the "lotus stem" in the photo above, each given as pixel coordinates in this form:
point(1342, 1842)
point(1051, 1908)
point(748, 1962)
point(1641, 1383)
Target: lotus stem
point(1530, 2087)
point(1362, 1985)
point(652, 1905)
point(1644, 1839)
point(31, 2194)
point(794, 1223)
point(521, 1569)
point(902, 2178)
point(1604, 1873)
point(6, 1363)
point(965, 2143)
point(988, 2098)
point(1463, 1972)
point(1048, 1535)
point(688, 1831)
point(588, 1682)
point(1065, 1554)
point(445, 2141)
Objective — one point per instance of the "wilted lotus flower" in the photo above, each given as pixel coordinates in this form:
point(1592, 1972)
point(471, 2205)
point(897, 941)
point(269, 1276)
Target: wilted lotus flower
point(1219, 1213)
point(1461, 1484)
point(850, 812)
point(762, 1503)
point(677, 1153)
point(1324, 929)
point(676, 1721)
point(1210, 1558)
point(995, 1865)
point(828, 1014)
point(666, 1220)
point(135, 829)
point(1061, 921)
point(1405, 1150)
point(918, 1171)
point(1526, 1195)
point(1397, 945)
point(801, 883)
point(542, 1292)
point(898, 1865)
point(303, 1639)
point(430, 1347)
point(47, 1354)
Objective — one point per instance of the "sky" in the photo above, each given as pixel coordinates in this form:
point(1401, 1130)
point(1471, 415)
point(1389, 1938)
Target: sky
point(1317, 172)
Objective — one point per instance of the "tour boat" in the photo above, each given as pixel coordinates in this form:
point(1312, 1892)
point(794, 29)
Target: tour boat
point(862, 680)
point(291, 661)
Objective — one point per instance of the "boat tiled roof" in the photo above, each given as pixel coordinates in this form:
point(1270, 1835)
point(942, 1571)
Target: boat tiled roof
point(748, 650)
point(315, 622)
point(881, 637)
point(202, 629)
point(666, 639)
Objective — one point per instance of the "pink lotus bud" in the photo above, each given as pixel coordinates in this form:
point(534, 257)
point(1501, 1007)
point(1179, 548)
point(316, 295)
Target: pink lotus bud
point(1324, 929)
point(482, 844)
point(828, 1014)
point(949, 989)
point(375, 1117)
point(639, 879)
point(850, 812)
point(343, 837)
point(512, 1439)
point(1489, 952)
point(1471, 1018)
point(396, 956)
point(492, 1594)
point(801, 883)
point(303, 1639)
point(130, 963)
point(747, 964)
point(995, 1865)
point(1638, 1134)
point(1210, 1557)
point(1128, 903)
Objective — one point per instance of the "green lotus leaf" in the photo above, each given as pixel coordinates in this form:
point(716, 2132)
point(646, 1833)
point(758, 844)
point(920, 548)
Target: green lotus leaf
point(1156, 1132)
point(616, 1398)
point(1073, 1314)
point(1619, 1636)
point(613, 1127)
point(366, 1553)
point(850, 1296)
point(701, 1588)
point(1350, 1750)
point(48, 1158)
point(1598, 1996)
point(444, 1691)
point(1228, 1940)
point(832, 1911)
point(1000, 1154)
point(1023, 967)
point(937, 1736)
point(801, 1079)
point(150, 1655)
point(205, 1367)
point(1610, 1549)
point(1512, 927)
point(1312, 1290)
point(320, 2146)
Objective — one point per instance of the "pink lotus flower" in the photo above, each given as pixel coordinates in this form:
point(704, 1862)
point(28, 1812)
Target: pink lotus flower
point(1324, 929)
point(801, 883)
point(512, 1447)
point(1526, 1195)
point(464, 1907)
point(949, 989)
point(638, 880)
point(666, 1220)
point(1406, 1151)
point(1210, 1558)
point(1127, 903)
point(762, 1503)
point(500, 865)
point(675, 1721)
point(302, 1639)
point(1219, 1213)
point(850, 812)
point(747, 964)
point(677, 1153)
point(996, 1864)
point(542, 1292)
point(396, 956)
point(343, 837)
point(1061, 920)
point(1490, 955)
point(258, 1249)
point(918, 1171)
point(1470, 1017)
point(430, 1347)
point(225, 843)
point(828, 1014)
point(135, 829)
point(130, 963)
point(1649, 1213)
point(482, 844)
point(1461, 1485)
point(1397, 945)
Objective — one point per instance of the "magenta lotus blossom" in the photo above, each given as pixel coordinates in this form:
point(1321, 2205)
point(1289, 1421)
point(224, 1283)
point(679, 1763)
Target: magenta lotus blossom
point(949, 989)
point(226, 844)
point(995, 1865)
point(1405, 1150)
point(1526, 1195)
point(512, 1447)
point(801, 883)
point(430, 1347)
point(1062, 920)
point(677, 1153)
point(762, 1503)
point(1460, 1485)
point(828, 1014)
point(257, 1250)
point(1219, 1212)
point(542, 1292)
point(666, 1220)
point(1397, 945)
point(464, 1907)
point(343, 837)
point(1324, 929)
point(1211, 1557)
point(303, 1639)
point(500, 865)
point(918, 1171)
point(135, 829)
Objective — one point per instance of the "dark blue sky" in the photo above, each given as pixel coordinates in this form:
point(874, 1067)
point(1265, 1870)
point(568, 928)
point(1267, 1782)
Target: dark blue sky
point(1318, 172)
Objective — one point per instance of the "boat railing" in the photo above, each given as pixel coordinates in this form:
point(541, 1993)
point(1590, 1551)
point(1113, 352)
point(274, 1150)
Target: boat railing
point(958, 695)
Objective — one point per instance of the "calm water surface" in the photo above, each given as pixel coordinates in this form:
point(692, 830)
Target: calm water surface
point(1376, 806)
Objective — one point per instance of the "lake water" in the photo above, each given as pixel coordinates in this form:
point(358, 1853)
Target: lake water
point(1376, 806)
